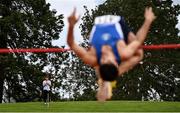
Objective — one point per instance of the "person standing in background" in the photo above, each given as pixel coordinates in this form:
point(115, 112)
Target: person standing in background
point(46, 89)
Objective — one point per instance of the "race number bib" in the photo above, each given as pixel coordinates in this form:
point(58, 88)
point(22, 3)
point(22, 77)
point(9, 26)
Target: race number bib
point(107, 19)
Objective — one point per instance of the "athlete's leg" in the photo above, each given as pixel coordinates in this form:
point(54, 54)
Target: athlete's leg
point(131, 62)
point(131, 37)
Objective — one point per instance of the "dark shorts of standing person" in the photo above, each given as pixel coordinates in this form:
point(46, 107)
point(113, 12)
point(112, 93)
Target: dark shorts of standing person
point(46, 95)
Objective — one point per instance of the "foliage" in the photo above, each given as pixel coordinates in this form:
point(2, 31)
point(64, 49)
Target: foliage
point(78, 80)
point(27, 24)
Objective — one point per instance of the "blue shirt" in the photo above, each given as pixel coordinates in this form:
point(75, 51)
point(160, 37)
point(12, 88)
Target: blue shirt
point(108, 30)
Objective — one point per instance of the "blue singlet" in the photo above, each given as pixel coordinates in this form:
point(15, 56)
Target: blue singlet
point(108, 33)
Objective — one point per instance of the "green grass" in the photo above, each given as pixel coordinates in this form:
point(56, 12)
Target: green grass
point(92, 106)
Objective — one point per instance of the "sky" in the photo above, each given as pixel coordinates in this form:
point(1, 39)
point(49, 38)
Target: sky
point(65, 7)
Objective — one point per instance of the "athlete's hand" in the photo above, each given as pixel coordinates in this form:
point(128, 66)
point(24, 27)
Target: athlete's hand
point(149, 15)
point(72, 19)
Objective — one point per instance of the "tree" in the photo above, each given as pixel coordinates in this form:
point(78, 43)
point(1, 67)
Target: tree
point(27, 24)
point(78, 81)
point(158, 76)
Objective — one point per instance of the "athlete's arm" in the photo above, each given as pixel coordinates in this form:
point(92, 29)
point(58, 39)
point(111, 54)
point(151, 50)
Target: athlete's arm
point(85, 55)
point(149, 18)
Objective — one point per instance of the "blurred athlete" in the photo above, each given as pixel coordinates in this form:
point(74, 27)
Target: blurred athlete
point(114, 48)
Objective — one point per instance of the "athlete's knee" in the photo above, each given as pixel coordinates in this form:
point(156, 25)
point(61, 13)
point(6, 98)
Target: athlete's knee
point(140, 54)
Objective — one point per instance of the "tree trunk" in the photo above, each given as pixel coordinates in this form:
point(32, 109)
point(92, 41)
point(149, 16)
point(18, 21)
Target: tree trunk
point(3, 64)
point(1, 85)
point(2, 67)
point(3, 44)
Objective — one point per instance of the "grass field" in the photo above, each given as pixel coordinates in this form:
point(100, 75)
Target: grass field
point(92, 106)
